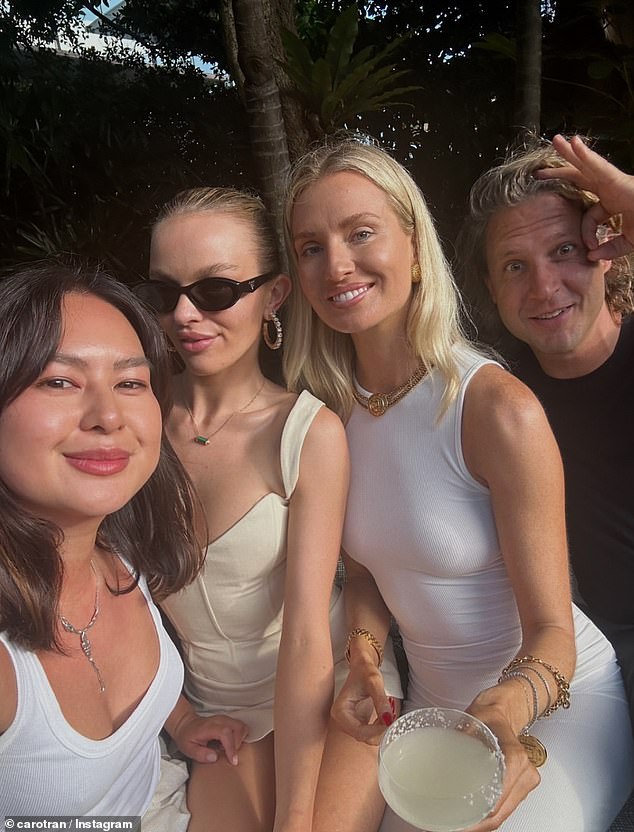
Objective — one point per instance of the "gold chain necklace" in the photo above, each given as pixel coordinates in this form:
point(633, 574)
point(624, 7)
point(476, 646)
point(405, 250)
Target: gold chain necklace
point(378, 403)
point(199, 439)
point(82, 632)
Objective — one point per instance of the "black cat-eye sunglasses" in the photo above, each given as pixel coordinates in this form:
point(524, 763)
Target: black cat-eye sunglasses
point(213, 294)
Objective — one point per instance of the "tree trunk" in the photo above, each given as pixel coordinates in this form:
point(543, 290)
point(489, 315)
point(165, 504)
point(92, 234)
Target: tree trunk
point(262, 102)
point(278, 14)
point(231, 45)
point(528, 77)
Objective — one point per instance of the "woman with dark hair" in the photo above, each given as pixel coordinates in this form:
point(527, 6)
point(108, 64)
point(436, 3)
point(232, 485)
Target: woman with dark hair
point(92, 499)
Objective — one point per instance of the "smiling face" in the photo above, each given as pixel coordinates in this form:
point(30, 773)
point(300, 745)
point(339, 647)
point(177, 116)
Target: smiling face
point(188, 247)
point(354, 260)
point(85, 436)
point(547, 292)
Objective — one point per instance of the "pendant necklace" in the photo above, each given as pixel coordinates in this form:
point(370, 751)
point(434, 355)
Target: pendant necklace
point(82, 632)
point(199, 439)
point(378, 403)
point(535, 750)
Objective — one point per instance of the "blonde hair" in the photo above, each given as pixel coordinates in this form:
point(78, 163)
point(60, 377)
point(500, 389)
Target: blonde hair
point(321, 359)
point(504, 186)
point(244, 205)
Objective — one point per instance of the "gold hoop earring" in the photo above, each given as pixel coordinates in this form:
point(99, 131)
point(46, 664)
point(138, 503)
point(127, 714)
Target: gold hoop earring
point(272, 344)
point(416, 275)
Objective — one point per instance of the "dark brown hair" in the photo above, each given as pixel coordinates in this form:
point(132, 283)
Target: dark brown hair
point(153, 531)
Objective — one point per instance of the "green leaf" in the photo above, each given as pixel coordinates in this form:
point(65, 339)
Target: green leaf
point(379, 101)
point(321, 79)
point(360, 74)
point(499, 44)
point(341, 41)
point(331, 108)
point(391, 46)
point(361, 57)
point(387, 75)
point(297, 53)
point(341, 84)
point(301, 81)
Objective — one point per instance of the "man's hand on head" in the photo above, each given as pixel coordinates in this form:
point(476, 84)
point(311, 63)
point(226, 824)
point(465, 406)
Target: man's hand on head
point(615, 189)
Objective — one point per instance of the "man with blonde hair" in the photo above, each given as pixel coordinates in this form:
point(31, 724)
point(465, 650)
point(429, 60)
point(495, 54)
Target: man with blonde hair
point(545, 255)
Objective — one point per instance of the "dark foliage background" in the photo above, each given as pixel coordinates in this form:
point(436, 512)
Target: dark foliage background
point(91, 145)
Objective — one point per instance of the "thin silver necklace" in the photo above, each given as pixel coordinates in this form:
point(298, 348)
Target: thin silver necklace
point(82, 632)
point(200, 439)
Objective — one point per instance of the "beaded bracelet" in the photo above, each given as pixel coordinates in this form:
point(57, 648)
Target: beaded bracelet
point(361, 632)
point(563, 686)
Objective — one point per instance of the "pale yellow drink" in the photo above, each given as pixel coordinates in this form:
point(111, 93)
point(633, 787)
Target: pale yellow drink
point(438, 779)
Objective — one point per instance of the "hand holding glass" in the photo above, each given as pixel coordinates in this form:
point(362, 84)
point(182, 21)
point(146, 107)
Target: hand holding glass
point(440, 770)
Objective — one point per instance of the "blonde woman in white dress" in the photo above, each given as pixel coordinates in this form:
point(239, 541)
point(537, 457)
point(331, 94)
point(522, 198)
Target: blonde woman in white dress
point(455, 518)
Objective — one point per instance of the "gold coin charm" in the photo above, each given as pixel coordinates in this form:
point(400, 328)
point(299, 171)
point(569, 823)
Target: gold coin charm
point(535, 750)
point(378, 403)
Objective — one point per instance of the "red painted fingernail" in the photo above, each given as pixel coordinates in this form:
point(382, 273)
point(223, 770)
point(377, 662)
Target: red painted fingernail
point(387, 718)
point(392, 702)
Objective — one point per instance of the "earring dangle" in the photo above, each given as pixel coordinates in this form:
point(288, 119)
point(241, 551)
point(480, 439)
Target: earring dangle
point(272, 344)
point(416, 275)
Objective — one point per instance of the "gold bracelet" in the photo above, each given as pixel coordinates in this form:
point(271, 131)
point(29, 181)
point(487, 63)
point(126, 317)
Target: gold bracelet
point(563, 685)
point(360, 632)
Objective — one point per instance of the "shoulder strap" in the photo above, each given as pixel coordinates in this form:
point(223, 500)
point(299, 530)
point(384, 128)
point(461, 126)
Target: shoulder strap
point(297, 424)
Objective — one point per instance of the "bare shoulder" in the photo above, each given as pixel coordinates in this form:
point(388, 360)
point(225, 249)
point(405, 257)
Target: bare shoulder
point(503, 424)
point(325, 426)
point(327, 430)
point(495, 399)
point(8, 690)
point(324, 456)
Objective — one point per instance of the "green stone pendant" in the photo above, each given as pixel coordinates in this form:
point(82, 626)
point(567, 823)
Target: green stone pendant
point(201, 440)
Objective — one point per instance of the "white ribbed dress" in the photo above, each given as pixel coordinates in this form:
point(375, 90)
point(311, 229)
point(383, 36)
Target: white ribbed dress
point(424, 527)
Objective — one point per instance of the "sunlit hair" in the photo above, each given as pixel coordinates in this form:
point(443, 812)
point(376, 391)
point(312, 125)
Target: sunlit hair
point(321, 359)
point(153, 531)
point(246, 207)
point(241, 204)
point(505, 186)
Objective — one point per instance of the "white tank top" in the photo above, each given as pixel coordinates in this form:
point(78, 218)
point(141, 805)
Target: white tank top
point(424, 527)
point(48, 768)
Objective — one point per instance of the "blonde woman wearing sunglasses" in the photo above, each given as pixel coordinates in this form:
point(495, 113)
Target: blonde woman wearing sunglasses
point(260, 625)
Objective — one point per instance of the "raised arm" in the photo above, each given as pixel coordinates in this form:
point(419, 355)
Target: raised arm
point(304, 683)
point(509, 447)
point(362, 708)
point(615, 189)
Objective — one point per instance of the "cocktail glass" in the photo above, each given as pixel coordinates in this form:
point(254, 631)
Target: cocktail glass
point(440, 769)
